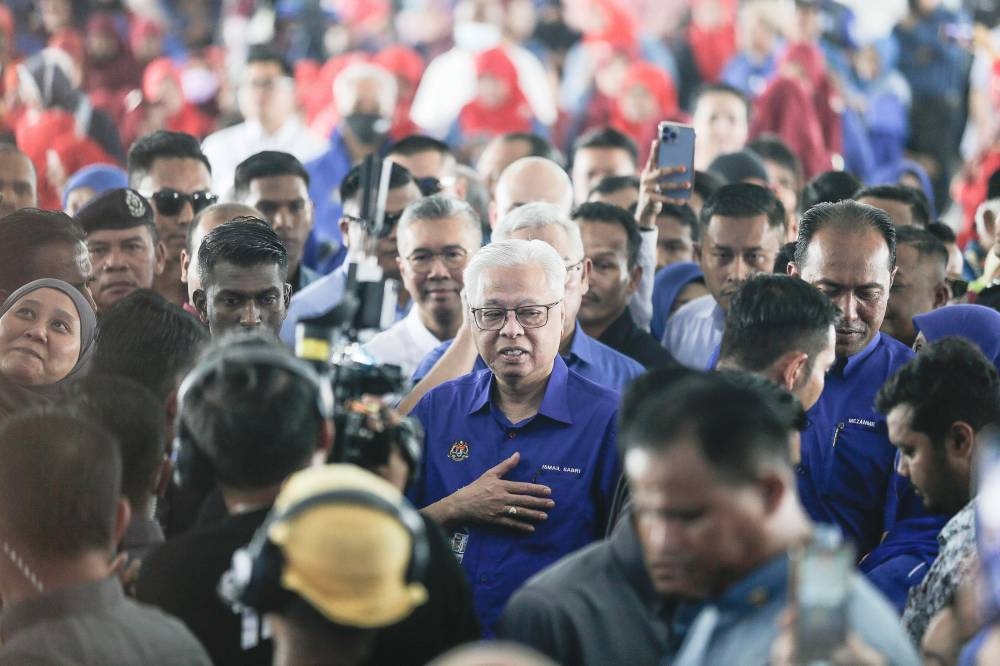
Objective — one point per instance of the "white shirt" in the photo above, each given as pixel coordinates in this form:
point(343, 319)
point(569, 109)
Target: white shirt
point(449, 83)
point(693, 332)
point(405, 343)
point(641, 304)
point(228, 147)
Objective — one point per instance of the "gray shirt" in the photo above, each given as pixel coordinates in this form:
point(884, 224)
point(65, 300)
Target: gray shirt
point(593, 608)
point(94, 623)
point(744, 622)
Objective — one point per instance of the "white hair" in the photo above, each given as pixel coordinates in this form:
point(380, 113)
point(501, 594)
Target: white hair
point(537, 216)
point(344, 84)
point(440, 207)
point(510, 253)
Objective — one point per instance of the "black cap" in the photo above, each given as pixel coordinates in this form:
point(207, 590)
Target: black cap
point(117, 209)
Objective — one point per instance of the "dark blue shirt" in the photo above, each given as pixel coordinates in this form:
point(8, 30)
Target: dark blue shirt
point(847, 459)
point(587, 357)
point(324, 248)
point(570, 449)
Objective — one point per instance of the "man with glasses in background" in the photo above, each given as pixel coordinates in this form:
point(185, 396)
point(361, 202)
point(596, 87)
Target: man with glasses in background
point(266, 98)
point(435, 237)
point(551, 492)
point(169, 169)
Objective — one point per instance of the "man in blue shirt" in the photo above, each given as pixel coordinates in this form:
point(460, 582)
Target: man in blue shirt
point(514, 469)
point(848, 251)
point(365, 95)
point(581, 353)
point(325, 293)
point(715, 511)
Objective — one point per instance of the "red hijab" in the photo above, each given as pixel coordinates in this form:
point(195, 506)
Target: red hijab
point(713, 46)
point(618, 28)
point(122, 71)
point(405, 64)
point(512, 114)
point(659, 86)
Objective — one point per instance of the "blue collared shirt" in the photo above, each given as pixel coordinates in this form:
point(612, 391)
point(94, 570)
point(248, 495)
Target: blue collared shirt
point(847, 459)
point(570, 450)
point(587, 357)
point(324, 249)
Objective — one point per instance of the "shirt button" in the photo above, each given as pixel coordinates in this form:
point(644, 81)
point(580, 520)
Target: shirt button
point(512, 434)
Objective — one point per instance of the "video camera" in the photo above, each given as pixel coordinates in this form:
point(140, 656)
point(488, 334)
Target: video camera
point(332, 342)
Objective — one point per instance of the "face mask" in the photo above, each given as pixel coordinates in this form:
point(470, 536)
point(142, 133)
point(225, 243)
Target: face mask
point(368, 128)
point(476, 37)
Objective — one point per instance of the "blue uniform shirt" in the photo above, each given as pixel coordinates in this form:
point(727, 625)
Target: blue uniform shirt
point(847, 459)
point(587, 357)
point(569, 446)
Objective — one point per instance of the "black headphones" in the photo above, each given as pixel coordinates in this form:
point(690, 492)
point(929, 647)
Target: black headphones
point(254, 579)
point(193, 467)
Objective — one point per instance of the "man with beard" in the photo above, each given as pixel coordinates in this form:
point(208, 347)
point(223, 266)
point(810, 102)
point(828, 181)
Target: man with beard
point(741, 230)
point(436, 237)
point(276, 184)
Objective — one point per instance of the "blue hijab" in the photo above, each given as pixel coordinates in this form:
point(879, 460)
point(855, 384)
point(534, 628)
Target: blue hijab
point(667, 286)
point(976, 323)
point(98, 177)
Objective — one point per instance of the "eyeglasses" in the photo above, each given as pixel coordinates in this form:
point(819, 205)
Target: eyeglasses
point(422, 261)
point(269, 208)
point(429, 186)
point(171, 202)
point(958, 286)
point(528, 316)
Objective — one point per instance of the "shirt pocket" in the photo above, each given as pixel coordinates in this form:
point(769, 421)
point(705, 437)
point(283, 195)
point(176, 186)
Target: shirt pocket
point(858, 466)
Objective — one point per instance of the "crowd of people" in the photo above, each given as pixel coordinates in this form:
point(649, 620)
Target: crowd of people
point(374, 333)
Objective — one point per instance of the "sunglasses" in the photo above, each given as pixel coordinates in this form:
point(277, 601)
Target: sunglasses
point(171, 202)
point(389, 222)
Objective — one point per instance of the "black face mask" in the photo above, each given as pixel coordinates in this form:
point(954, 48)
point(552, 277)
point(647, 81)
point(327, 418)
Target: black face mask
point(368, 128)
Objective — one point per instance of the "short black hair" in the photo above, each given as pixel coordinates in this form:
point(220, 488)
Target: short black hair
point(161, 144)
point(244, 242)
point(264, 164)
point(949, 380)
point(706, 183)
point(684, 214)
point(782, 400)
point(785, 256)
point(538, 146)
point(920, 208)
point(743, 200)
point(647, 386)
point(612, 184)
point(924, 242)
point(942, 232)
point(255, 421)
point(135, 416)
point(709, 88)
point(771, 148)
point(607, 137)
point(400, 176)
point(597, 211)
point(148, 339)
point(60, 480)
point(235, 210)
point(420, 143)
point(736, 429)
point(264, 53)
point(829, 187)
point(23, 233)
point(772, 315)
point(847, 216)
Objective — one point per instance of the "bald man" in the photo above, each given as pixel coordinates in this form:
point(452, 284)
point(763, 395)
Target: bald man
point(208, 219)
point(528, 180)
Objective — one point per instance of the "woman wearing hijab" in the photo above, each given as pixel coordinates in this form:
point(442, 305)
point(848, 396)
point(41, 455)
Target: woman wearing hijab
point(976, 323)
point(90, 182)
point(647, 96)
point(47, 331)
point(673, 286)
point(408, 67)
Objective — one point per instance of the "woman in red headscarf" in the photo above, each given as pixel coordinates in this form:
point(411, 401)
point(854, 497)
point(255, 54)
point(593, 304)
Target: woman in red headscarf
point(798, 106)
point(499, 106)
point(111, 69)
point(407, 66)
point(647, 96)
point(163, 106)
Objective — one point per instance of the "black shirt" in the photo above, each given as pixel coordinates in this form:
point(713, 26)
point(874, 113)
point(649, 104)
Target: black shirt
point(182, 577)
point(447, 618)
point(624, 336)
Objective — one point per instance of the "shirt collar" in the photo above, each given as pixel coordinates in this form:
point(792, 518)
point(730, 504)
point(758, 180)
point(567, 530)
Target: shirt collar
point(581, 347)
point(852, 364)
point(962, 525)
point(761, 586)
point(82, 598)
point(627, 552)
point(418, 331)
point(555, 401)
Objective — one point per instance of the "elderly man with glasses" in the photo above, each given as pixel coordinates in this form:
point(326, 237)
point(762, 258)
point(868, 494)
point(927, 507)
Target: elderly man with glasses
point(435, 237)
point(520, 460)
